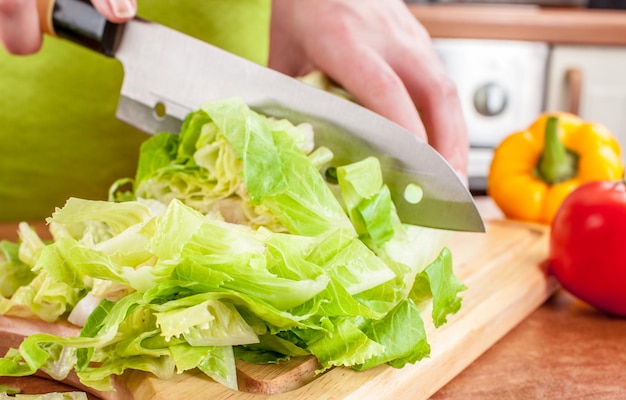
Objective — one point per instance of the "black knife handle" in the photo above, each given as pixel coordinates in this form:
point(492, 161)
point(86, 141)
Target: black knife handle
point(79, 22)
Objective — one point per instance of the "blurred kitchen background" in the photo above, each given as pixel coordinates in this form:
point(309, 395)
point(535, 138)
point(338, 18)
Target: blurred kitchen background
point(513, 59)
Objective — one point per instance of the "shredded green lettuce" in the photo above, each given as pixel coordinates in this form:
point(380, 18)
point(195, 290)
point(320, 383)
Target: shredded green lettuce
point(15, 273)
point(8, 390)
point(230, 245)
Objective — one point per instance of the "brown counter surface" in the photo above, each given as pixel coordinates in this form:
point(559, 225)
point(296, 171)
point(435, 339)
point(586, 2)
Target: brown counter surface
point(564, 350)
point(519, 22)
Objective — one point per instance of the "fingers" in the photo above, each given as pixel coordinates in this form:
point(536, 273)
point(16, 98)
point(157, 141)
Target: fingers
point(19, 26)
point(435, 95)
point(397, 90)
point(117, 11)
point(443, 119)
point(374, 84)
point(19, 22)
point(381, 55)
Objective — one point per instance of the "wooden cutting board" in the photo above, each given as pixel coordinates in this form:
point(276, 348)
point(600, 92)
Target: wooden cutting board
point(506, 282)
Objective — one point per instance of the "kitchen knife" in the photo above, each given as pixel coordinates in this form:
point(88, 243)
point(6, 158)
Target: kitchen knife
point(168, 74)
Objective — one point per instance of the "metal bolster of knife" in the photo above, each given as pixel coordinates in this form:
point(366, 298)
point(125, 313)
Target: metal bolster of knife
point(79, 22)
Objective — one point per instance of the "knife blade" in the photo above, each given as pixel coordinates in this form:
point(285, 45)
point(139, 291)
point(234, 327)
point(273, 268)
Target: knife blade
point(168, 74)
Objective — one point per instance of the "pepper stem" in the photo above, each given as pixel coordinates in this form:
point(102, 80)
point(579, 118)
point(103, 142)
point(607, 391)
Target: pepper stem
point(557, 163)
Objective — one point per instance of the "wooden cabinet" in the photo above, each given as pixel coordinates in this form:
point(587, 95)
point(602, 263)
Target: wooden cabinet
point(591, 82)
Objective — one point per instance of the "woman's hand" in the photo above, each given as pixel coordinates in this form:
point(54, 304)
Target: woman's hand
point(19, 21)
point(379, 53)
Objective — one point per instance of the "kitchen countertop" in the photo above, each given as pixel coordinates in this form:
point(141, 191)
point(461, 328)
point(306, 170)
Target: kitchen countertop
point(564, 350)
point(524, 22)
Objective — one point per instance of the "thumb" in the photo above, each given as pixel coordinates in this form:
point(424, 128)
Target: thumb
point(19, 27)
point(117, 11)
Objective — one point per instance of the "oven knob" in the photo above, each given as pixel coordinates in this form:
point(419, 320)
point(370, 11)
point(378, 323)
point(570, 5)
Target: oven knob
point(490, 99)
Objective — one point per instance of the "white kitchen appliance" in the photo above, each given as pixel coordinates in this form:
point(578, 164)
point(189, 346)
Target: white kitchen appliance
point(501, 84)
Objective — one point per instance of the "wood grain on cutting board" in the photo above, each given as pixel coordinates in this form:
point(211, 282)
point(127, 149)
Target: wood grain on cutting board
point(502, 269)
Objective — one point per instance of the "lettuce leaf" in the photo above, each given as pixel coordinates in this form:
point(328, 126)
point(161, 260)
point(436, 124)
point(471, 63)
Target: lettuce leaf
point(13, 272)
point(230, 245)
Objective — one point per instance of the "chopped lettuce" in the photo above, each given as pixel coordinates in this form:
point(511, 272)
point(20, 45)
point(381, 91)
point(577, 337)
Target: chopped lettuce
point(248, 168)
point(15, 273)
point(7, 390)
point(230, 245)
point(368, 200)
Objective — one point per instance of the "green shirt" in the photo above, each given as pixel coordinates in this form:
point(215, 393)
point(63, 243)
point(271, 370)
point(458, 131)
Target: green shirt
point(58, 133)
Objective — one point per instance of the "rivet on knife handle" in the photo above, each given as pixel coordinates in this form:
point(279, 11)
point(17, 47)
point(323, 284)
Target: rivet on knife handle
point(79, 22)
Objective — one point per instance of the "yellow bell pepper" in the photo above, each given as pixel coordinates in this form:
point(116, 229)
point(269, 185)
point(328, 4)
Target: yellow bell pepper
point(533, 170)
